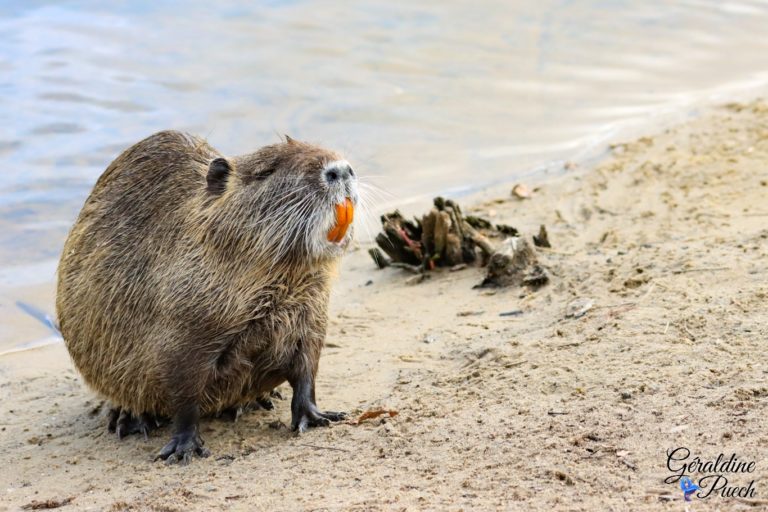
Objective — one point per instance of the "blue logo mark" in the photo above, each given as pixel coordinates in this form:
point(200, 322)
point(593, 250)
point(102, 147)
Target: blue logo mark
point(688, 488)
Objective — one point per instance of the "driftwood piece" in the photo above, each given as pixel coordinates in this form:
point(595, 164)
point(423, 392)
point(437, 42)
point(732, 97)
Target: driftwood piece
point(428, 222)
point(480, 240)
point(478, 222)
point(378, 257)
point(400, 239)
point(515, 263)
point(444, 237)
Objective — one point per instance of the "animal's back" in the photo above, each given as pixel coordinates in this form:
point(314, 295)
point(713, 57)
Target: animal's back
point(108, 278)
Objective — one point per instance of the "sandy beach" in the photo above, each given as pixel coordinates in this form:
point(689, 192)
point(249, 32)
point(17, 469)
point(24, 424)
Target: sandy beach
point(667, 237)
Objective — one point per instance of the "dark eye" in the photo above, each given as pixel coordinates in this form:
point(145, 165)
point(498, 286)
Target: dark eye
point(332, 175)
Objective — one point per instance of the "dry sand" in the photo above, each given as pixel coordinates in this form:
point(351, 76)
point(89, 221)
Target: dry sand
point(530, 412)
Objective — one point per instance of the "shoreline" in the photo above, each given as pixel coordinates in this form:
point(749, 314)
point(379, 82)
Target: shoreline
point(39, 291)
point(700, 103)
point(666, 236)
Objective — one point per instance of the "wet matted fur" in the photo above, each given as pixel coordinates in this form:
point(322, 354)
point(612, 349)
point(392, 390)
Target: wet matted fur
point(192, 283)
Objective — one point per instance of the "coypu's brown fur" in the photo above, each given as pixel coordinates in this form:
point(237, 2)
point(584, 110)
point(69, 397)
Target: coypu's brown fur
point(191, 284)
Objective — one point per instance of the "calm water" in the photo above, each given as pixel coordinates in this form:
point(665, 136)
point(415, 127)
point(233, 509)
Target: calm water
point(434, 97)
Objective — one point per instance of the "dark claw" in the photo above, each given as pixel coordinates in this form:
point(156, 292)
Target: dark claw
point(334, 416)
point(123, 423)
point(114, 413)
point(230, 414)
point(182, 446)
point(265, 403)
point(320, 422)
point(233, 413)
point(312, 417)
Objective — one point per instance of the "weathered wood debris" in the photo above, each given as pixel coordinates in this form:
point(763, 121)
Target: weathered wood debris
point(444, 237)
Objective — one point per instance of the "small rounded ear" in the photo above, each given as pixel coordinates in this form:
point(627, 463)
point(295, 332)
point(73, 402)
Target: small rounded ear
point(289, 140)
point(218, 172)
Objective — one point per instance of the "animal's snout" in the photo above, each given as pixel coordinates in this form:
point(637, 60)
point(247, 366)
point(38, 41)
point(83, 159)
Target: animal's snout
point(338, 171)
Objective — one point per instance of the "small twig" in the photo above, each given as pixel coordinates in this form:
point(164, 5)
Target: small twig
point(600, 209)
point(630, 465)
point(690, 334)
point(47, 504)
point(710, 269)
point(752, 503)
point(317, 447)
point(666, 327)
point(552, 251)
point(618, 308)
point(646, 294)
point(557, 413)
point(480, 240)
point(615, 306)
point(593, 453)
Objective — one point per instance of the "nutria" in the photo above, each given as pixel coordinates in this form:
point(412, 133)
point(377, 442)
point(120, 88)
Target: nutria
point(192, 283)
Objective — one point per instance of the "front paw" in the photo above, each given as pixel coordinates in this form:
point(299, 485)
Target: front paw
point(182, 446)
point(310, 416)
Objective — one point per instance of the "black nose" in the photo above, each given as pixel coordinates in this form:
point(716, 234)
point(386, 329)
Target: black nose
point(341, 172)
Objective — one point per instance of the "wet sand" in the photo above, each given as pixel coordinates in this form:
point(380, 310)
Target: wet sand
point(668, 237)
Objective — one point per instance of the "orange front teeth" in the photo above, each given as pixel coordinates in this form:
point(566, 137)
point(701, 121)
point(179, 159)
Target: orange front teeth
point(345, 214)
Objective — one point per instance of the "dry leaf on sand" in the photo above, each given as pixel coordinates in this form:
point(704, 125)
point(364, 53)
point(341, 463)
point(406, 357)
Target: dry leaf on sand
point(372, 414)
